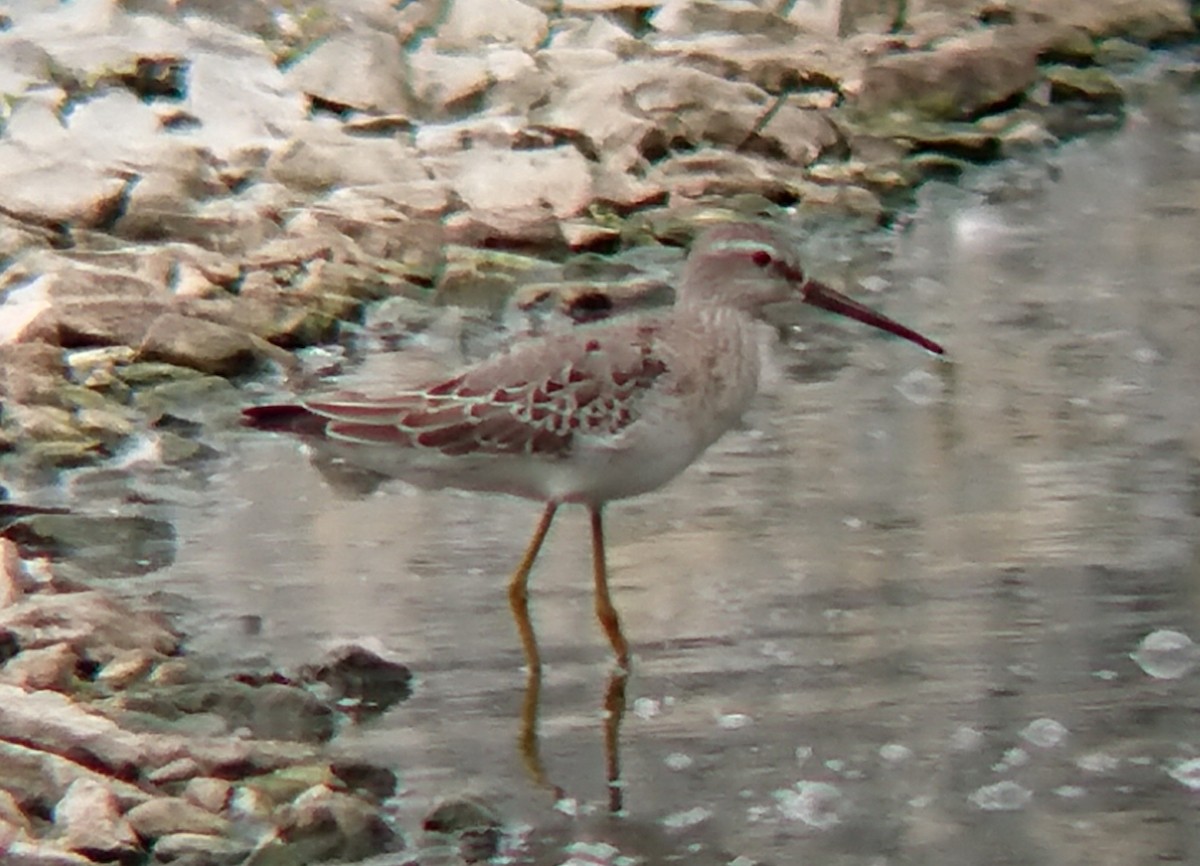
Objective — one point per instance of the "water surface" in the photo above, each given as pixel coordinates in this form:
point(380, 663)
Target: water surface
point(888, 621)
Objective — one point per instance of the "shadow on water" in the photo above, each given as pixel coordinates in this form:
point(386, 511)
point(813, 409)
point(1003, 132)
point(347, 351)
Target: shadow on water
point(889, 620)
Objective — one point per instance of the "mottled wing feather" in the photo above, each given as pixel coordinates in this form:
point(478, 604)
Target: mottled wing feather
point(532, 400)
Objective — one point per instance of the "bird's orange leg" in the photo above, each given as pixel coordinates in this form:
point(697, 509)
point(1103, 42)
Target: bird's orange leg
point(605, 612)
point(518, 599)
point(518, 589)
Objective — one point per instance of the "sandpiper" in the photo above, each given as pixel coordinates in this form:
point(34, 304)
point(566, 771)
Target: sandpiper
point(602, 411)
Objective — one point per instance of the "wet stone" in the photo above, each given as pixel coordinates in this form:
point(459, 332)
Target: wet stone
point(356, 674)
point(1093, 86)
point(269, 711)
point(475, 826)
point(323, 824)
point(108, 546)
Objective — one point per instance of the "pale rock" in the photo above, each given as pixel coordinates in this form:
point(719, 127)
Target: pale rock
point(470, 24)
point(174, 771)
point(556, 181)
point(163, 816)
point(89, 819)
point(199, 848)
point(93, 623)
point(448, 83)
point(799, 134)
point(12, 815)
point(724, 16)
point(600, 33)
point(1149, 21)
point(51, 667)
point(959, 79)
point(36, 777)
point(362, 70)
point(125, 668)
point(202, 345)
point(324, 158)
point(209, 793)
point(14, 582)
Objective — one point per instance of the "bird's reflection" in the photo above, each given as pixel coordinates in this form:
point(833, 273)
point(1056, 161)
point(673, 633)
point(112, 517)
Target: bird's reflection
point(528, 741)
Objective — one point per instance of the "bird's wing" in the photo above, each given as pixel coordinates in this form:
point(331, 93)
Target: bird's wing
point(534, 399)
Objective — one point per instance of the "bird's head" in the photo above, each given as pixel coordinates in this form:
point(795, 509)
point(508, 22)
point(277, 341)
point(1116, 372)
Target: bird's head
point(750, 266)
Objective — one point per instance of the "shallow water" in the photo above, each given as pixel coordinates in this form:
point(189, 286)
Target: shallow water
point(890, 620)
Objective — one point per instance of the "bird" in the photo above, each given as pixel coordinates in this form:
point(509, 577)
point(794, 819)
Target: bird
point(595, 413)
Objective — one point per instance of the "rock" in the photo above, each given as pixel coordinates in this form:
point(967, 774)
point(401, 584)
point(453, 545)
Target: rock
point(47, 192)
point(378, 783)
point(93, 623)
point(89, 818)
point(600, 33)
point(270, 711)
point(1146, 21)
point(1093, 86)
point(37, 852)
point(1120, 53)
point(484, 278)
point(54, 723)
point(175, 771)
point(36, 778)
point(14, 582)
point(29, 373)
point(356, 674)
point(841, 200)
point(470, 24)
point(961, 79)
point(475, 825)
point(95, 321)
point(364, 71)
point(12, 815)
point(448, 84)
point(799, 135)
point(642, 109)
point(713, 173)
point(209, 793)
point(94, 368)
point(556, 181)
point(51, 667)
point(110, 546)
point(323, 824)
point(196, 849)
point(322, 159)
point(189, 398)
point(809, 66)
point(125, 668)
point(164, 816)
point(206, 346)
point(285, 784)
point(738, 16)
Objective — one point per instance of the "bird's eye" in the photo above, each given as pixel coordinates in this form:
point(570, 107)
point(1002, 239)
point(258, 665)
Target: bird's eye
point(762, 258)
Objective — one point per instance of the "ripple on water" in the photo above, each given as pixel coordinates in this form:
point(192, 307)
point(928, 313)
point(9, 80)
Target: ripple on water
point(1165, 654)
point(1006, 796)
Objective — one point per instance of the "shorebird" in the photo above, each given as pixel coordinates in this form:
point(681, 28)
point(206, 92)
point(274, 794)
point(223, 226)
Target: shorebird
point(602, 411)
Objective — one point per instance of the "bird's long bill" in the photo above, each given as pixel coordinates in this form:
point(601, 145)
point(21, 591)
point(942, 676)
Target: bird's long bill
point(820, 295)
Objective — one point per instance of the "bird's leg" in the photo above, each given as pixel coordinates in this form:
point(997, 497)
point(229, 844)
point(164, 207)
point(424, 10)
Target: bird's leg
point(518, 598)
point(605, 612)
point(518, 589)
